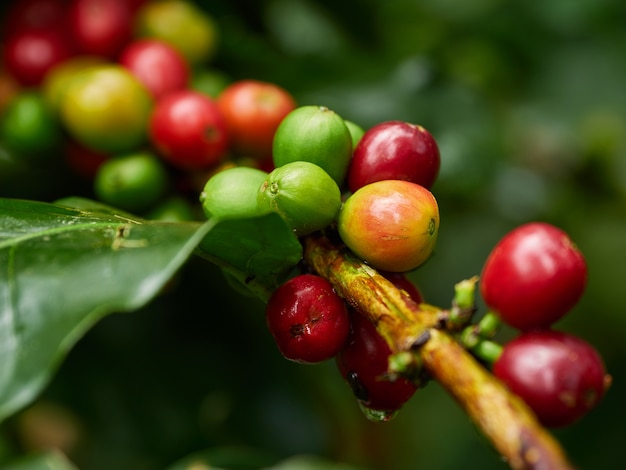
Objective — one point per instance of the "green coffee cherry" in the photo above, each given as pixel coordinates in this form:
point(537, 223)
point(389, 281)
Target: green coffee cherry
point(28, 127)
point(172, 209)
point(303, 194)
point(133, 182)
point(232, 194)
point(356, 132)
point(317, 135)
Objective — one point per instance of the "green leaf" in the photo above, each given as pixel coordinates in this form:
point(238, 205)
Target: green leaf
point(91, 206)
point(62, 269)
point(259, 252)
point(48, 461)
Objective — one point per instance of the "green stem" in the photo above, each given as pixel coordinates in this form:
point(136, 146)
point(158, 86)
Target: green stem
point(488, 351)
point(475, 338)
point(484, 329)
point(488, 325)
point(463, 303)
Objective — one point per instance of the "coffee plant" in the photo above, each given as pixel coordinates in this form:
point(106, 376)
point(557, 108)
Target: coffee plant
point(161, 165)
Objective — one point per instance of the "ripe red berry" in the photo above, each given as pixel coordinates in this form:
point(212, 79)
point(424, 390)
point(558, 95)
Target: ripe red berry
point(533, 276)
point(394, 150)
point(363, 363)
point(188, 130)
point(253, 110)
point(307, 319)
point(560, 376)
point(28, 55)
point(157, 64)
point(100, 27)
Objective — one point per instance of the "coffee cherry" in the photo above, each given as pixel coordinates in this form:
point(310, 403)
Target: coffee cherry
point(253, 110)
point(189, 130)
point(391, 224)
point(560, 376)
point(363, 363)
point(356, 132)
point(533, 276)
point(307, 319)
point(314, 134)
point(394, 150)
point(28, 54)
point(232, 194)
point(303, 194)
point(156, 64)
point(134, 181)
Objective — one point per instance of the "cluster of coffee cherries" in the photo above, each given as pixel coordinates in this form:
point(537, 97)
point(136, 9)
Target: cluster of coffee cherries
point(371, 190)
point(532, 278)
point(122, 95)
point(311, 323)
point(388, 217)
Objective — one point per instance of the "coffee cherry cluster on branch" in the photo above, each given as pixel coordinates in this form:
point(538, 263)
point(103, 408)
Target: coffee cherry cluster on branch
point(388, 218)
point(123, 95)
point(133, 108)
point(371, 189)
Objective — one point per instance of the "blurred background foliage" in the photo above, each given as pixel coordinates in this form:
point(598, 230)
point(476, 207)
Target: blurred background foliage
point(527, 102)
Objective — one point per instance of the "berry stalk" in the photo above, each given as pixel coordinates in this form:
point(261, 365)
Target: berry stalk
point(503, 418)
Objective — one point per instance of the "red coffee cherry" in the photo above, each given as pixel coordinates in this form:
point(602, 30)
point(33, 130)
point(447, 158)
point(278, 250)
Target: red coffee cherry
point(533, 276)
point(253, 110)
point(394, 150)
point(188, 130)
point(29, 55)
point(560, 376)
point(100, 27)
point(307, 319)
point(363, 363)
point(157, 64)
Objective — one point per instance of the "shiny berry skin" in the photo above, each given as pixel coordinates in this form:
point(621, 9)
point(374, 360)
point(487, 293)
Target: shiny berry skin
point(307, 319)
point(188, 130)
point(253, 110)
point(391, 224)
point(100, 27)
point(560, 376)
point(29, 54)
point(533, 276)
point(160, 67)
point(363, 363)
point(394, 150)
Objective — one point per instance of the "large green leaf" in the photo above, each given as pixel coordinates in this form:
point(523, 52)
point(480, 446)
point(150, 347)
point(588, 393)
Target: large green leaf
point(63, 268)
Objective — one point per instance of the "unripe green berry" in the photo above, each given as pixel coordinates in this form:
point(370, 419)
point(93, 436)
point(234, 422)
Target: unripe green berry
point(133, 182)
point(232, 194)
point(317, 135)
point(303, 194)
